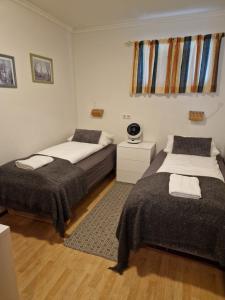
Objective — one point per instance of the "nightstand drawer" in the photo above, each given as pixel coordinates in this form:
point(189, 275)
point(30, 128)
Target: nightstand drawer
point(128, 176)
point(133, 154)
point(133, 160)
point(132, 165)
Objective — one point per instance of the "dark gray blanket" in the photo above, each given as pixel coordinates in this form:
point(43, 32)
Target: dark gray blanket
point(152, 216)
point(51, 190)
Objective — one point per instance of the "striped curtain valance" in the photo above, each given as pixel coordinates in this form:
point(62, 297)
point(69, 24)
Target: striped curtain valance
point(176, 65)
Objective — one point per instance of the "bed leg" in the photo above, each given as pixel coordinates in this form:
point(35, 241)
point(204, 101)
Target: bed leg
point(222, 267)
point(119, 268)
point(62, 234)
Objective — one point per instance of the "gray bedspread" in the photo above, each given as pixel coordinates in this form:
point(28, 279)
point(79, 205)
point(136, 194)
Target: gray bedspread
point(152, 216)
point(51, 190)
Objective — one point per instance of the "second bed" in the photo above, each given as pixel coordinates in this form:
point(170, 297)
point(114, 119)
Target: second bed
point(151, 216)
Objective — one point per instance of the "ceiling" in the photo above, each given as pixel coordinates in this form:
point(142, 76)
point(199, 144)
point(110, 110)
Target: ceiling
point(84, 13)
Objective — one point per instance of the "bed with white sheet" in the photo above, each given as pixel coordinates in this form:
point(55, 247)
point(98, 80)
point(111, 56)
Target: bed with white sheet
point(178, 204)
point(50, 182)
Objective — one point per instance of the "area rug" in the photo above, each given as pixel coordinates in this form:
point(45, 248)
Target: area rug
point(96, 234)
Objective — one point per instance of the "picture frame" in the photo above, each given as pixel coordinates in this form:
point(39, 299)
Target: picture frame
point(7, 72)
point(41, 69)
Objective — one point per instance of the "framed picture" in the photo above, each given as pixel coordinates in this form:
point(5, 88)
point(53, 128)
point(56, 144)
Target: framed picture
point(41, 68)
point(7, 71)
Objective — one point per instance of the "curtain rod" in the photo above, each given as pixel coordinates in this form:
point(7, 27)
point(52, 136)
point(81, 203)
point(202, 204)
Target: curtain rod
point(130, 43)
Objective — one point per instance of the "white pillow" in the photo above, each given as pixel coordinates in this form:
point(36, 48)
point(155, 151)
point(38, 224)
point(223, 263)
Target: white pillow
point(105, 138)
point(214, 150)
point(169, 146)
point(69, 139)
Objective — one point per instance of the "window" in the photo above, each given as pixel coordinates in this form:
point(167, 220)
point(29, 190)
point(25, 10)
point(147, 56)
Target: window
point(176, 65)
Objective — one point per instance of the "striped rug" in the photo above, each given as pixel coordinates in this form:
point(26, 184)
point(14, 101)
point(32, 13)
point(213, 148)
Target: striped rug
point(96, 234)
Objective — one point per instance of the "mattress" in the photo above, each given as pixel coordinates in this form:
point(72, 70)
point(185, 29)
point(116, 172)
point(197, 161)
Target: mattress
point(160, 158)
point(98, 165)
point(191, 165)
point(71, 151)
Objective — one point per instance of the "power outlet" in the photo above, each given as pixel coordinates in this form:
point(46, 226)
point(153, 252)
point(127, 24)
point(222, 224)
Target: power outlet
point(126, 116)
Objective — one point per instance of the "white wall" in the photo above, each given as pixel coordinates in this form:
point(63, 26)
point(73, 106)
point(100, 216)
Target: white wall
point(103, 71)
point(34, 115)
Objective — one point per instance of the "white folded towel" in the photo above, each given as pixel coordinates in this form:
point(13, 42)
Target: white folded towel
point(34, 162)
point(184, 186)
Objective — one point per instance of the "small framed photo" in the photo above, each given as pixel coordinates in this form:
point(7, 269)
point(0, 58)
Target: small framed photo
point(7, 71)
point(41, 68)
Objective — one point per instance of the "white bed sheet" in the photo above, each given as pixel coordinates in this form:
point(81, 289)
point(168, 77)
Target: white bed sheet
point(191, 165)
point(71, 151)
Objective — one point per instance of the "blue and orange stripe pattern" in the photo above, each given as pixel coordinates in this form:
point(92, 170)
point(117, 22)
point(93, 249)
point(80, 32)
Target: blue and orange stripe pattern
point(176, 65)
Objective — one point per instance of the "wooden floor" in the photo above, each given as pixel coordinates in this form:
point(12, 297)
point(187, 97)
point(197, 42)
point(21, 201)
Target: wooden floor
point(48, 270)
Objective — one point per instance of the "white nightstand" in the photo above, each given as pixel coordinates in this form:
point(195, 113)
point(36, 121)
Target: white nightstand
point(133, 160)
